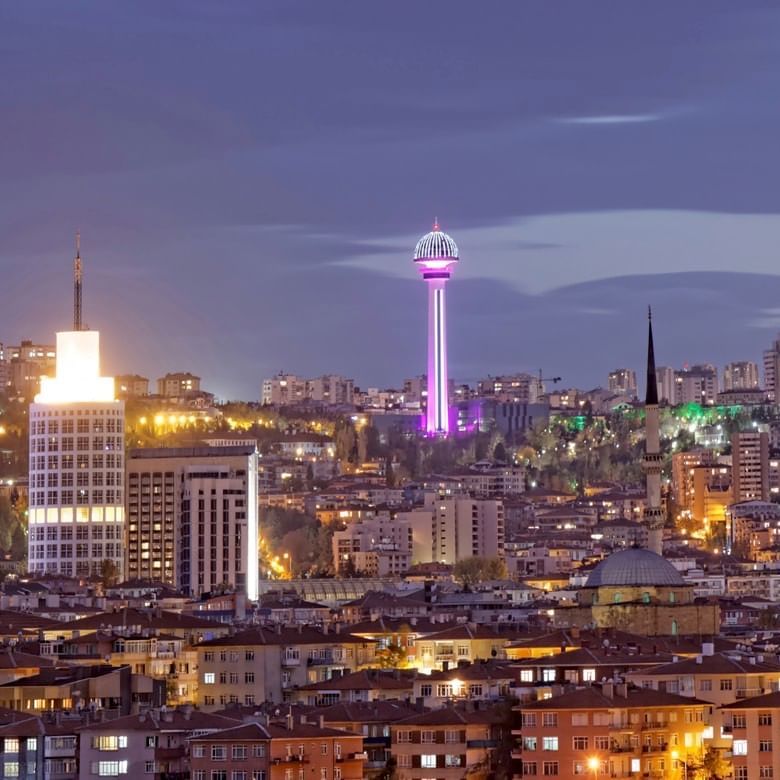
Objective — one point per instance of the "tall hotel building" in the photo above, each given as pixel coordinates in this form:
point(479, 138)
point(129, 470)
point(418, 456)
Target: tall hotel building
point(192, 517)
point(76, 516)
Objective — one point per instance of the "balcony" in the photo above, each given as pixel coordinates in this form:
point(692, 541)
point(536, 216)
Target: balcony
point(746, 693)
point(653, 724)
point(662, 748)
point(290, 660)
point(291, 759)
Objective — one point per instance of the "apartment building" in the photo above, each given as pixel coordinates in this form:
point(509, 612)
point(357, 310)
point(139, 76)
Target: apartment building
point(750, 465)
point(278, 752)
point(149, 744)
point(445, 743)
point(379, 547)
point(258, 664)
point(193, 517)
point(450, 529)
point(611, 730)
point(180, 384)
point(754, 727)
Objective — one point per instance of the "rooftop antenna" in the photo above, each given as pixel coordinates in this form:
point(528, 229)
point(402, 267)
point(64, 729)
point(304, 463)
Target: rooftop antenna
point(77, 284)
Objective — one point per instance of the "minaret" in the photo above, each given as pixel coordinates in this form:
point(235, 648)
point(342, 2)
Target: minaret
point(653, 515)
point(77, 285)
point(435, 255)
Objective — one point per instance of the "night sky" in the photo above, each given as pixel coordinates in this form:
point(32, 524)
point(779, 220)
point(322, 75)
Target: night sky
point(250, 180)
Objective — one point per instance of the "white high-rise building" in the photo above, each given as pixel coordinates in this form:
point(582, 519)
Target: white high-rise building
point(76, 515)
point(192, 517)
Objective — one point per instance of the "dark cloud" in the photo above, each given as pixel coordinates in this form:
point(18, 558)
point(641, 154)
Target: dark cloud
point(222, 159)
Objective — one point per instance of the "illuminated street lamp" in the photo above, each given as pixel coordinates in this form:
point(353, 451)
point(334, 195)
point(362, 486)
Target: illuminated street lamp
point(593, 765)
point(287, 558)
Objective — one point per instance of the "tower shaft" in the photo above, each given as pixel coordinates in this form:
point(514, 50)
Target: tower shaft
point(437, 418)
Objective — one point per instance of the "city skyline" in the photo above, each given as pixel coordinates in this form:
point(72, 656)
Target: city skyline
point(235, 218)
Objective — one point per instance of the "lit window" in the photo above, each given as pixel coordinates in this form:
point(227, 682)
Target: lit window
point(740, 747)
point(428, 761)
point(209, 678)
point(549, 743)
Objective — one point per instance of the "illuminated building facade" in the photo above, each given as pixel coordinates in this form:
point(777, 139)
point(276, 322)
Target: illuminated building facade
point(76, 512)
point(436, 253)
point(192, 517)
point(622, 381)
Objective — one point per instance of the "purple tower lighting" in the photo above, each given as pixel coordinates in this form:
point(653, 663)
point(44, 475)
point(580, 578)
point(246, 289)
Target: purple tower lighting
point(435, 255)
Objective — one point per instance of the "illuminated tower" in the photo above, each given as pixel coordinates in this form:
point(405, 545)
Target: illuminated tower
point(76, 488)
point(653, 515)
point(435, 255)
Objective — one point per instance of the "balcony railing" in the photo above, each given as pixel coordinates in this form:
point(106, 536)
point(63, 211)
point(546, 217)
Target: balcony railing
point(662, 748)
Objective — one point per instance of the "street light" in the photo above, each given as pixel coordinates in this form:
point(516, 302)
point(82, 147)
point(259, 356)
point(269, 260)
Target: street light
point(593, 765)
point(676, 757)
point(286, 557)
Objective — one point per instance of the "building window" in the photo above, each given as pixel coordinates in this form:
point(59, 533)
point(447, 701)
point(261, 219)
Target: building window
point(601, 743)
point(209, 678)
point(726, 684)
point(452, 760)
point(588, 675)
point(529, 768)
point(550, 743)
point(550, 719)
point(428, 761)
point(741, 773)
point(427, 736)
point(404, 736)
point(426, 690)
point(764, 718)
point(579, 719)
point(10, 745)
point(765, 771)
point(550, 768)
point(705, 685)
point(218, 752)
point(740, 747)
point(765, 746)
point(580, 743)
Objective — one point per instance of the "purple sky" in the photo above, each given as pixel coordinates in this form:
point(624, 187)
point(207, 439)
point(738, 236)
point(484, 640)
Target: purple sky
point(250, 180)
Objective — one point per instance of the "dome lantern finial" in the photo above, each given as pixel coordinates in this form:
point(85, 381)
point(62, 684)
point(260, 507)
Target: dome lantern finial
point(435, 223)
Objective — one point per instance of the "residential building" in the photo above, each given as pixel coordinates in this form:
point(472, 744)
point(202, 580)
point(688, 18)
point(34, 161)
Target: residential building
point(178, 385)
point(518, 388)
point(772, 369)
point(260, 664)
point(697, 384)
point(666, 384)
point(193, 517)
point(23, 366)
point(155, 743)
point(742, 375)
point(444, 743)
point(278, 752)
point(611, 730)
point(131, 386)
point(379, 547)
point(452, 528)
point(754, 727)
point(622, 381)
point(329, 389)
point(77, 443)
point(750, 465)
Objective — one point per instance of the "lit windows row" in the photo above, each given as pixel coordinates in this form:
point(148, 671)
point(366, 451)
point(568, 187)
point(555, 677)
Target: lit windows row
point(80, 497)
point(53, 427)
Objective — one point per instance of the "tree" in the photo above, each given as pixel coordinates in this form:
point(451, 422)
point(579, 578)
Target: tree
point(471, 571)
point(391, 657)
point(499, 452)
point(108, 572)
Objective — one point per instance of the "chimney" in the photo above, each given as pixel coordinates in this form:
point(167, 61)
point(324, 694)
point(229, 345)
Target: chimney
point(698, 659)
point(608, 690)
point(322, 721)
point(290, 720)
point(708, 648)
point(621, 689)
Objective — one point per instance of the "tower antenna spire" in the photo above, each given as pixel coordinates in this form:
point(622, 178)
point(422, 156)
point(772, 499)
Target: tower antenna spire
point(77, 284)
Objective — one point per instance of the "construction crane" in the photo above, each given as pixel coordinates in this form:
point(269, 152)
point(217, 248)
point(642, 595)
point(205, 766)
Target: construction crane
point(543, 379)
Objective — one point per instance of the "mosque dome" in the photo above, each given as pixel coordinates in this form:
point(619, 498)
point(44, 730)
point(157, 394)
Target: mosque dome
point(436, 245)
point(634, 566)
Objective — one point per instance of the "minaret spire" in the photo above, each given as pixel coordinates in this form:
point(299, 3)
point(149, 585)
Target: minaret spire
point(653, 514)
point(651, 394)
point(77, 284)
